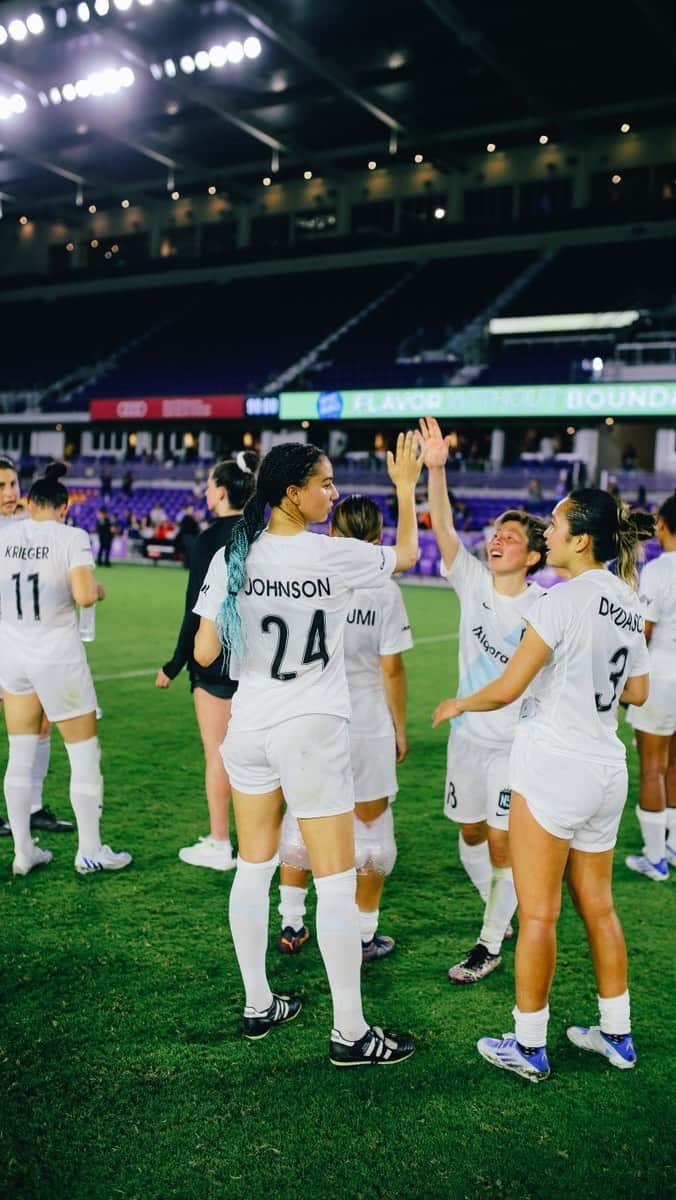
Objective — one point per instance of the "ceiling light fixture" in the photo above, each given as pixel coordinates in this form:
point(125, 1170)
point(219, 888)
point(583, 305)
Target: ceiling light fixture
point(252, 47)
point(625, 127)
point(266, 181)
point(491, 147)
point(307, 175)
point(418, 158)
point(543, 139)
point(372, 165)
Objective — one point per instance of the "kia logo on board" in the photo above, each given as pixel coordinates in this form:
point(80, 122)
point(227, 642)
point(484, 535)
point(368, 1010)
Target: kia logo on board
point(132, 408)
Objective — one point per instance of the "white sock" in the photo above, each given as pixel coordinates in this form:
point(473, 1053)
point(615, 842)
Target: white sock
point(368, 924)
point(499, 910)
point(18, 787)
point(292, 906)
point(340, 946)
point(671, 827)
point(39, 771)
point(615, 1014)
point(476, 861)
point(654, 831)
point(249, 913)
point(86, 793)
point(531, 1028)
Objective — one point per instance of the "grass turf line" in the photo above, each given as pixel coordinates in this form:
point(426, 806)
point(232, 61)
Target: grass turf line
point(122, 1068)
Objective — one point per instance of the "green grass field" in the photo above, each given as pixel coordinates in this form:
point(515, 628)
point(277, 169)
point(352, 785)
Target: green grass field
point(122, 1069)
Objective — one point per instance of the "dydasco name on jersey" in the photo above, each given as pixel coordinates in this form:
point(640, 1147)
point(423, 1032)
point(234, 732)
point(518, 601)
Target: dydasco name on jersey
point(620, 617)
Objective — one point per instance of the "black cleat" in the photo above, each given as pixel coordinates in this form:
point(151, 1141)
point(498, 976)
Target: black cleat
point(291, 941)
point(283, 1008)
point(45, 820)
point(5, 830)
point(377, 1048)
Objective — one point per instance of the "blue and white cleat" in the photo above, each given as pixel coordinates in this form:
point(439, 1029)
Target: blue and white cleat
point(670, 855)
point(620, 1053)
point(105, 859)
point(505, 1052)
point(659, 871)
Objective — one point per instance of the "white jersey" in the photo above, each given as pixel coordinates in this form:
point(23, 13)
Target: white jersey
point(293, 608)
point(377, 624)
point(36, 604)
point(491, 627)
point(657, 593)
point(595, 629)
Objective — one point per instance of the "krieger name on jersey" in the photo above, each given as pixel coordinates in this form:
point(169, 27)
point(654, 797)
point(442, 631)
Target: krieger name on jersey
point(293, 588)
point(620, 617)
point(31, 552)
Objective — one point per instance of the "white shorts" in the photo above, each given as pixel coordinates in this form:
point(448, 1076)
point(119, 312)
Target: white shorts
point(64, 688)
point(374, 767)
point(658, 714)
point(307, 757)
point(578, 800)
point(477, 781)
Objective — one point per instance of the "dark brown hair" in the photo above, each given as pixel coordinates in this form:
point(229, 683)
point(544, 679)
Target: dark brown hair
point(357, 517)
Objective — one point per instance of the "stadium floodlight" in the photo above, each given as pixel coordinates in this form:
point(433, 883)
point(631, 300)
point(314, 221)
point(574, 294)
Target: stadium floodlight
point(145, 3)
point(126, 77)
point(211, 190)
point(616, 179)
point(156, 71)
point(17, 103)
point(169, 68)
point(61, 17)
point(3, 35)
point(175, 195)
point(597, 363)
point(543, 139)
point(372, 165)
point(68, 91)
point(83, 12)
point(418, 158)
point(23, 220)
point(440, 213)
point(266, 181)
point(307, 175)
point(55, 95)
point(44, 99)
point(202, 60)
point(234, 52)
point(102, 7)
point(252, 47)
point(187, 64)
point(122, 5)
point(124, 204)
point(17, 30)
point(217, 56)
point(83, 88)
point(35, 24)
point(625, 127)
point(491, 147)
point(92, 209)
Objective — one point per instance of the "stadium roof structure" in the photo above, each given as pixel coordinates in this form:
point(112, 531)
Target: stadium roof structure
point(138, 97)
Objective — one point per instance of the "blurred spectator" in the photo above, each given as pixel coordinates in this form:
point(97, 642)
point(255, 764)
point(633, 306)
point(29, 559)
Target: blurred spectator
point(641, 497)
point(157, 514)
point(534, 490)
point(104, 532)
point(613, 488)
point(146, 528)
point(127, 483)
point(629, 457)
point(106, 483)
point(188, 532)
point(126, 520)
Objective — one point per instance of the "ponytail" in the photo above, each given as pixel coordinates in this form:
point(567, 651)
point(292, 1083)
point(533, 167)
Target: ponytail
point(614, 531)
point(632, 528)
point(48, 491)
point(287, 465)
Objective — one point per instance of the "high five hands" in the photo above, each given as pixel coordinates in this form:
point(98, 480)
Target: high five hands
point(435, 447)
point(405, 465)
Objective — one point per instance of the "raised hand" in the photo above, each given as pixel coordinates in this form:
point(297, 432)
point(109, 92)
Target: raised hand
point(405, 465)
point(435, 447)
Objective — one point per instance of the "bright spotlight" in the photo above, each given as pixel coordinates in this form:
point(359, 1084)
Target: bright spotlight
point(124, 203)
point(490, 147)
point(92, 209)
point(68, 92)
point(176, 195)
point(307, 175)
point(543, 139)
point(110, 80)
point(3, 35)
point(122, 5)
point(156, 71)
point(83, 88)
point(55, 95)
point(17, 30)
point(616, 179)
point(597, 363)
point(211, 190)
point(234, 51)
point(372, 165)
point(169, 68)
point(267, 181)
point(23, 220)
point(61, 17)
point(44, 99)
point(217, 56)
point(202, 60)
point(440, 213)
point(252, 47)
point(126, 77)
point(102, 7)
point(187, 64)
point(145, 3)
point(625, 127)
point(418, 158)
point(70, 247)
point(35, 24)
point(83, 12)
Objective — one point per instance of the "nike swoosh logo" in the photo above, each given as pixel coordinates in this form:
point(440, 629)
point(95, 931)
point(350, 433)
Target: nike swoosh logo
point(484, 605)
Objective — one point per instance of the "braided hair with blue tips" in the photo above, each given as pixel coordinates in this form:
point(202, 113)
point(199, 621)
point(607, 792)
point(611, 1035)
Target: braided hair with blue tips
point(291, 464)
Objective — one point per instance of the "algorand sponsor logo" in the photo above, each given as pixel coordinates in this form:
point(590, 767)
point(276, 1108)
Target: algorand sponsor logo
point(479, 634)
point(627, 398)
point(132, 408)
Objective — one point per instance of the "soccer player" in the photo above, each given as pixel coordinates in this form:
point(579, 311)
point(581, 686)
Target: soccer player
point(376, 634)
point(583, 651)
point(229, 486)
point(655, 722)
point(41, 818)
point(46, 567)
point(278, 598)
point(494, 603)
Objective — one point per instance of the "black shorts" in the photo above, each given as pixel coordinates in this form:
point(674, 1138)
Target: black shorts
point(223, 688)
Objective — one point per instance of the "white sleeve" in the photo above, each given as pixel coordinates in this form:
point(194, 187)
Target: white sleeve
point(465, 572)
point(650, 593)
point(363, 565)
point(214, 587)
point(639, 658)
point(549, 616)
point(79, 551)
point(395, 629)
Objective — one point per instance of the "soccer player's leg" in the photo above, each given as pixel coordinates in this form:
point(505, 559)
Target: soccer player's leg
point(375, 856)
point(86, 796)
point(23, 717)
point(653, 751)
point(465, 804)
point(294, 870)
point(43, 818)
point(213, 715)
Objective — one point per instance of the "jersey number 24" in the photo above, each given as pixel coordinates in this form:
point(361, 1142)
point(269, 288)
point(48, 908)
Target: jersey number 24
point(315, 644)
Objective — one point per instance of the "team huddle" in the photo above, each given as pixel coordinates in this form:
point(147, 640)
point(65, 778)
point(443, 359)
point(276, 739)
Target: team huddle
point(296, 644)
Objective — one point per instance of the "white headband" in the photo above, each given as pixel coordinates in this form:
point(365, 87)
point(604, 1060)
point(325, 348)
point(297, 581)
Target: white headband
point(242, 463)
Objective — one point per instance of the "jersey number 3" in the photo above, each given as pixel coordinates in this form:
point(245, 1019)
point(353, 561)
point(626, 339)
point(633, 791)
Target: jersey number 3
point(315, 645)
point(619, 662)
point(35, 580)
